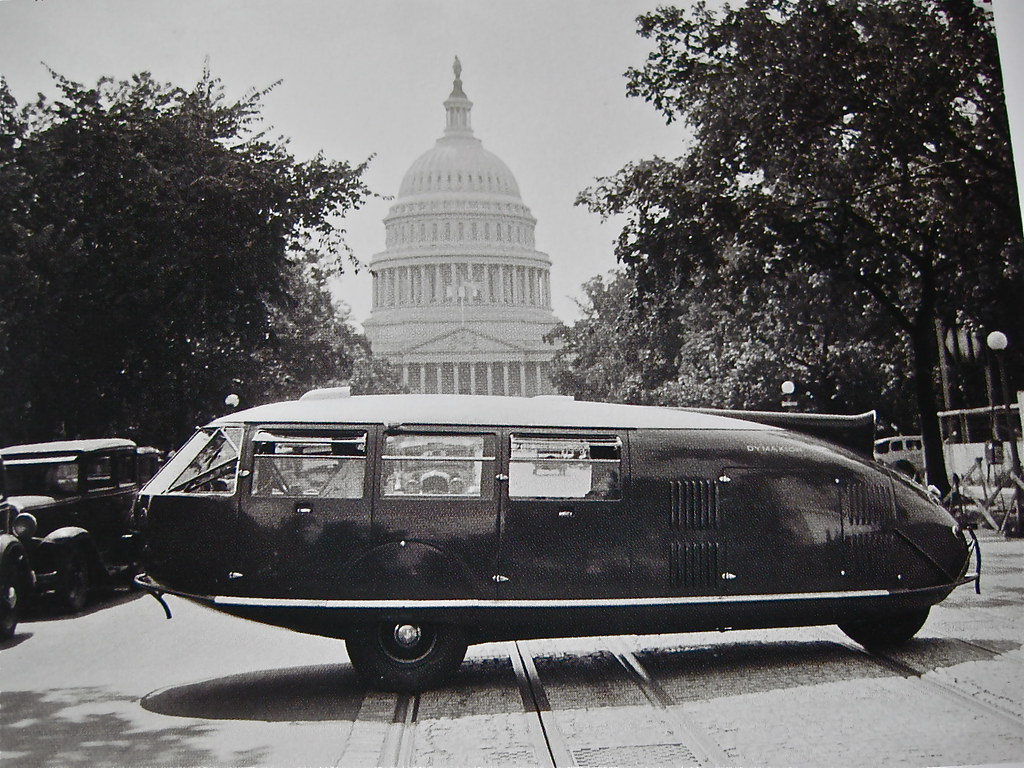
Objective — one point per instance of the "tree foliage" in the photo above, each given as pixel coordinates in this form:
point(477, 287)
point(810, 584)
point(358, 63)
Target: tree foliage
point(860, 143)
point(156, 247)
point(731, 345)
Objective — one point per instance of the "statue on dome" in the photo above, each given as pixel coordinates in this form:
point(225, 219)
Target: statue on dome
point(457, 67)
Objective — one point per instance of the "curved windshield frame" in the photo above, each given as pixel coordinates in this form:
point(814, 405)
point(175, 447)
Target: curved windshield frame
point(206, 464)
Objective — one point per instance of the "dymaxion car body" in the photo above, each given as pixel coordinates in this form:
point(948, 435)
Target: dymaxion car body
point(411, 525)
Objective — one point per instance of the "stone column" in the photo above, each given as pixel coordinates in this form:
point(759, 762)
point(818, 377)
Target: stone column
point(490, 378)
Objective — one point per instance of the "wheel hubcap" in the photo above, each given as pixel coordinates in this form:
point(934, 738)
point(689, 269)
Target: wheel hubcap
point(408, 635)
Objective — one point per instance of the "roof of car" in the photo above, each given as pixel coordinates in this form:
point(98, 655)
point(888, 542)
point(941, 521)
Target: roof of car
point(67, 447)
point(480, 410)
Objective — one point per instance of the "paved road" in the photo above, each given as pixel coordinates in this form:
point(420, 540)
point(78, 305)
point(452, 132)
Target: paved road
point(121, 686)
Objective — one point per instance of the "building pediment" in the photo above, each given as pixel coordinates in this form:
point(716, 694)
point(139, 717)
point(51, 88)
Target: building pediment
point(461, 340)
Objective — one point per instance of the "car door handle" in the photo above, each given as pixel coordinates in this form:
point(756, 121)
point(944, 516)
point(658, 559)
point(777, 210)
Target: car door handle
point(303, 509)
point(565, 513)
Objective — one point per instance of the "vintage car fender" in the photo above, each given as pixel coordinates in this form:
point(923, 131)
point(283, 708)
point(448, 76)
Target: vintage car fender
point(55, 547)
point(409, 568)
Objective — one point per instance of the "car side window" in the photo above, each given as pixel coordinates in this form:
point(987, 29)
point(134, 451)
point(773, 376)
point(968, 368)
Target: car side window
point(99, 473)
point(428, 466)
point(293, 464)
point(568, 467)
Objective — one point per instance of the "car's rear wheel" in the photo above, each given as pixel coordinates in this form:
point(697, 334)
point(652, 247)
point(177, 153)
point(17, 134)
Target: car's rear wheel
point(73, 591)
point(406, 656)
point(883, 632)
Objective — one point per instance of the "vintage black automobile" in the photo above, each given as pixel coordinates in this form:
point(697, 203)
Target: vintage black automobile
point(72, 506)
point(412, 525)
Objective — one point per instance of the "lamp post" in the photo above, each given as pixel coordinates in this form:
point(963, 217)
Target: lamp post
point(788, 400)
point(998, 343)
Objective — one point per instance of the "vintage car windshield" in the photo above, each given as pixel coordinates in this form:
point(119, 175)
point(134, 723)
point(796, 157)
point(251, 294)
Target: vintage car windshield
point(207, 463)
point(55, 476)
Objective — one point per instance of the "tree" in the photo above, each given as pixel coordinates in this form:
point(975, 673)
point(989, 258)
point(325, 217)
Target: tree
point(617, 351)
point(865, 141)
point(730, 344)
point(151, 241)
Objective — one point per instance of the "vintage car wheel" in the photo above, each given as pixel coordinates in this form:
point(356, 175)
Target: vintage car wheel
point(73, 591)
point(14, 586)
point(406, 657)
point(885, 631)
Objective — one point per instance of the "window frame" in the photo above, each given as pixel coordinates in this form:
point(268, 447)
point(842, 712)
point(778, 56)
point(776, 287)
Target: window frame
point(488, 461)
point(358, 437)
point(600, 438)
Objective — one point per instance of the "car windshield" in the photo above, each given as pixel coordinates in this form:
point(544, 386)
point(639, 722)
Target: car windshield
point(57, 477)
point(207, 463)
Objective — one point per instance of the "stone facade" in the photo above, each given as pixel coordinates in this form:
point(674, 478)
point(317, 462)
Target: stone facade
point(461, 297)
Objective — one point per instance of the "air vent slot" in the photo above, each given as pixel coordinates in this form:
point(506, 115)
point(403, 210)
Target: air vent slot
point(695, 564)
point(867, 505)
point(695, 505)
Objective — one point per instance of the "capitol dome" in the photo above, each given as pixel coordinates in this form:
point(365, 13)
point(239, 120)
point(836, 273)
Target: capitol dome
point(461, 297)
point(458, 165)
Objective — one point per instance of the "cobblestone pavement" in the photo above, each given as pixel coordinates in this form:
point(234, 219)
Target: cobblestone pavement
point(120, 686)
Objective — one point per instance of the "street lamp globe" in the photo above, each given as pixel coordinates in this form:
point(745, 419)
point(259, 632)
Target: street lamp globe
point(232, 400)
point(788, 388)
point(996, 341)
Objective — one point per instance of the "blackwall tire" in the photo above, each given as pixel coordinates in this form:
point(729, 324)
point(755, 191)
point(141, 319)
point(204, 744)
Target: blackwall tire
point(885, 631)
point(14, 586)
point(74, 582)
point(406, 657)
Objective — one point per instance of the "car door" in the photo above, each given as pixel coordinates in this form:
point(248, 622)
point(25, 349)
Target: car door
point(565, 531)
point(435, 516)
point(305, 515)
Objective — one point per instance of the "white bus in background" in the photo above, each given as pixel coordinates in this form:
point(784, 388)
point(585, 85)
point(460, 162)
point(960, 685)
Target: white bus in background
point(904, 453)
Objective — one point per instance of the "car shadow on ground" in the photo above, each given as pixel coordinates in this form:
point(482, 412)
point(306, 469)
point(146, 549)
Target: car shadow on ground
point(296, 694)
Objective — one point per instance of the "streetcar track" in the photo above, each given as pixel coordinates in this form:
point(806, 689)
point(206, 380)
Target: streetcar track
point(545, 735)
point(553, 750)
point(399, 745)
point(699, 742)
point(931, 679)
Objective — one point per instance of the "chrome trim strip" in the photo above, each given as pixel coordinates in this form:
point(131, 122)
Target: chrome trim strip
point(284, 602)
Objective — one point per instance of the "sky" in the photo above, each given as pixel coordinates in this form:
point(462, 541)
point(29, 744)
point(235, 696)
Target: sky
point(363, 78)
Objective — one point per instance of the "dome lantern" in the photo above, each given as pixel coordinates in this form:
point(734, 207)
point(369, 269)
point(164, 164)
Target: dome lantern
point(458, 106)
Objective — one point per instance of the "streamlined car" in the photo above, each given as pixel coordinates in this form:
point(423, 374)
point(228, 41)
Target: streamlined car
point(413, 525)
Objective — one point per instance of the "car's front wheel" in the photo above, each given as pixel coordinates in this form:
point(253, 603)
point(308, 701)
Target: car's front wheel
point(14, 586)
point(406, 656)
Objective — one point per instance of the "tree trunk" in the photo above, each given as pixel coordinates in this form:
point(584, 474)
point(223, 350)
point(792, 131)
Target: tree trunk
point(926, 357)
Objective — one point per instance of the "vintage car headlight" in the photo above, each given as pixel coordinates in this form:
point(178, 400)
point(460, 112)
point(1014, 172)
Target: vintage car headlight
point(24, 525)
